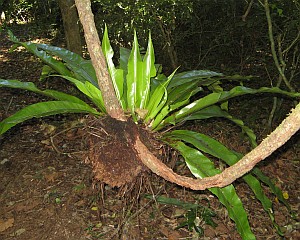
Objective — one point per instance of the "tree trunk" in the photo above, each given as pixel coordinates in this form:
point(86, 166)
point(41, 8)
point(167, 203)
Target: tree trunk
point(111, 102)
point(71, 25)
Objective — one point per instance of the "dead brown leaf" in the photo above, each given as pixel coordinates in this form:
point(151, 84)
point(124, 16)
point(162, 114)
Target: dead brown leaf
point(6, 224)
point(26, 206)
point(50, 177)
point(170, 234)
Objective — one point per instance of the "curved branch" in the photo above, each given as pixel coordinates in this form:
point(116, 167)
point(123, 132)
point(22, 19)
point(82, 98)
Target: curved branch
point(276, 139)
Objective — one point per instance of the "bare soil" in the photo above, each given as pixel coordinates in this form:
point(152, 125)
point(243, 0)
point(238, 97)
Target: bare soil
point(48, 191)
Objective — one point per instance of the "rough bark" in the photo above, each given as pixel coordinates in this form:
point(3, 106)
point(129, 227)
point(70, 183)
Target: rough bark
point(275, 140)
point(111, 102)
point(71, 25)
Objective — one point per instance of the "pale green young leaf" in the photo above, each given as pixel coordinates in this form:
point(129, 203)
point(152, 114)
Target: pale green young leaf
point(149, 71)
point(135, 73)
point(175, 101)
point(155, 125)
point(115, 74)
point(158, 99)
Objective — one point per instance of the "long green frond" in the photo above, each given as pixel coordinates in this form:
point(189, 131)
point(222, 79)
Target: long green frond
point(202, 167)
point(44, 109)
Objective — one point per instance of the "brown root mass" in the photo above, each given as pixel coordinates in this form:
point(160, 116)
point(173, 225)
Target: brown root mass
point(111, 151)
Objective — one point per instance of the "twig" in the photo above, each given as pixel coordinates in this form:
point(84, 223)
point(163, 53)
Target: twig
point(293, 43)
point(9, 104)
point(247, 11)
point(170, 47)
point(273, 50)
point(278, 60)
point(54, 146)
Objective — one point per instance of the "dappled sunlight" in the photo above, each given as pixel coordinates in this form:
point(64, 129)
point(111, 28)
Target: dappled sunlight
point(4, 58)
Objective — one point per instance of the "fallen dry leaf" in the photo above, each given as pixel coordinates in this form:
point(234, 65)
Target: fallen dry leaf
point(25, 206)
point(6, 224)
point(170, 234)
point(50, 177)
point(18, 232)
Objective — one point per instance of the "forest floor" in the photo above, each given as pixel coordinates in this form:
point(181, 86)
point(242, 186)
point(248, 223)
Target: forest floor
point(47, 190)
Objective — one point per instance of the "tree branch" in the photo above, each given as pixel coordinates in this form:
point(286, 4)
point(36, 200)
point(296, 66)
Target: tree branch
point(276, 139)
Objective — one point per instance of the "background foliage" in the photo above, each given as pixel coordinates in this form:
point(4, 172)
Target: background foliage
point(212, 32)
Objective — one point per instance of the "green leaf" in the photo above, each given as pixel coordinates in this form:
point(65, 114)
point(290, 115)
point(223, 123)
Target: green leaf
point(183, 92)
point(177, 97)
point(277, 191)
point(46, 71)
point(179, 203)
point(149, 71)
point(203, 77)
point(44, 109)
point(202, 167)
point(203, 143)
point(255, 186)
point(82, 69)
point(124, 57)
point(158, 99)
point(155, 124)
point(194, 210)
point(30, 86)
point(77, 67)
point(214, 98)
point(89, 90)
point(214, 148)
point(216, 111)
point(116, 74)
point(58, 66)
point(135, 73)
